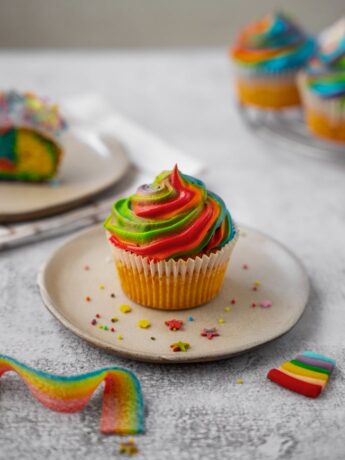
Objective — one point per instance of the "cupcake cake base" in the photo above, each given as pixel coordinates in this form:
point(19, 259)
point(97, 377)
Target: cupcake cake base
point(172, 285)
point(275, 93)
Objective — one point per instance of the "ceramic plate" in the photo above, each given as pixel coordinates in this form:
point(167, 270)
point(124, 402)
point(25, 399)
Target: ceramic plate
point(82, 268)
point(88, 167)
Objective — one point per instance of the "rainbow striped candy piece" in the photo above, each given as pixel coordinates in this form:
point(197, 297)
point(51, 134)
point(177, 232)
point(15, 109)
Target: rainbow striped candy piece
point(122, 412)
point(307, 373)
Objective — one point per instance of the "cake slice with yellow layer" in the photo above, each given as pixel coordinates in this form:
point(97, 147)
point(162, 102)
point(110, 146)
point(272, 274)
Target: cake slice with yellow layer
point(30, 137)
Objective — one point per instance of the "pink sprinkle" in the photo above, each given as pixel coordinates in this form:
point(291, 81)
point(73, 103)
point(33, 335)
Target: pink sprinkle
point(112, 329)
point(245, 267)
point(93, 322)
point(87, 268)
point(233, 301)
point(98, 315)
point(265, 303)
point(255, 288)
point(253, 305)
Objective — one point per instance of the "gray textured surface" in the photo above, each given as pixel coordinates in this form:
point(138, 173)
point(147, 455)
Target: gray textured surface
point(197, 411)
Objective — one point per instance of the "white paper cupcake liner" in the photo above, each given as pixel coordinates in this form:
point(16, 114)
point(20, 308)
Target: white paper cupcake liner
point(172, 284)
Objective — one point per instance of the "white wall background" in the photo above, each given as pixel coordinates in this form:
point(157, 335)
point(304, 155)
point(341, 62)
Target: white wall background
point(145, 23)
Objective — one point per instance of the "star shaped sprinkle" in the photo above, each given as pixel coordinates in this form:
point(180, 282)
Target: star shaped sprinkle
point(180, 346)
point(128, 447)
point(174, 324)
point(209, 333)
point(124, 308)
point(144, 323)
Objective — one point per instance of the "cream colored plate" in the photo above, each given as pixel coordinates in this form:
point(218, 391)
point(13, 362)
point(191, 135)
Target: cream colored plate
point(88, 167)
point(64, 284)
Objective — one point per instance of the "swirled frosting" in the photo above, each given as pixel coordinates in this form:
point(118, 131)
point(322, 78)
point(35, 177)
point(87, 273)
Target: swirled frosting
point(273, 44)
point(175, 216)
point(326, 73)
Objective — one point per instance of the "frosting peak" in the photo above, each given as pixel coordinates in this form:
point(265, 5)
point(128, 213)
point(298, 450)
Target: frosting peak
point(175, 216)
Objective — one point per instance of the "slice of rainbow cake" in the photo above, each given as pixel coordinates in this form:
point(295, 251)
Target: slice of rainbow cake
point(307, 373)
point(30, 137)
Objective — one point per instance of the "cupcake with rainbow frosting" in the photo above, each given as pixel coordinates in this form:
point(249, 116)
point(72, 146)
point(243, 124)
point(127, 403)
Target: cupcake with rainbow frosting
point(267, 56)
point(171, 242)
point(322, 86)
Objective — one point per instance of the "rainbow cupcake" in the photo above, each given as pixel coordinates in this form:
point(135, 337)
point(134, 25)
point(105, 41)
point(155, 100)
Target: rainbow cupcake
point(30, 131)
point(171, 242)
point(267, 56)
point(322, 86)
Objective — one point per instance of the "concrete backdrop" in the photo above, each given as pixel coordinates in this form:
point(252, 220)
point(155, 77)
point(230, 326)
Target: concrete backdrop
point(145, 23)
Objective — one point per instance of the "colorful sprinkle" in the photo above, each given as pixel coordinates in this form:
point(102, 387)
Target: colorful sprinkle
point(123, 411)
point(114, 319)
point(112, 329)
point(101, 286)
point(124, 308)
point(245, 267)
point(180, 346)
point(308, 374)
point(239, 381)
point(87, 268)
point(209, 333)
point(128, 447)
point(190, 318)
point(112, 295)
point(93, 322)
point(120, 337)
point(144, 323)
point(98, 315)
point(253, 305)
point(88, 298)
point(174, 324)
point(233, 301)
point(227, 309)
point(153, 338)
point(221, 321)
point(265, 303)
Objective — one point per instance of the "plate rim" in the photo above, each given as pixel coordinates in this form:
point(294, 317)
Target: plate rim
point(163, 358)
point(41, 212)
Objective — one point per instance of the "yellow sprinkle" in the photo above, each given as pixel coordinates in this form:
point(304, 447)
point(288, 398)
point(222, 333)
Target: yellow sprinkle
point(100, 326)
point(114, 319)
point(257, 283)
point(144, 323)
point(101, 286)
point(221, 321)
point(120, 337)
point(125, 308)
point(227, 309)
point(239, 381)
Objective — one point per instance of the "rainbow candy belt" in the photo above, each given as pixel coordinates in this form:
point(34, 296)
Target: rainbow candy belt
point(307, 373)
point(122, 412)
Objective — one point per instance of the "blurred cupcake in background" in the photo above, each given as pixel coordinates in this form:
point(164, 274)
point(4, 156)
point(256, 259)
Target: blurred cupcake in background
point(171, 242)
point(30, 137)
point(322, 85)
point(267, 56)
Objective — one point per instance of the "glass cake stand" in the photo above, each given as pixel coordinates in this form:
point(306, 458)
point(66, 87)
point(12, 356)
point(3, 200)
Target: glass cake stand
point(287, 128)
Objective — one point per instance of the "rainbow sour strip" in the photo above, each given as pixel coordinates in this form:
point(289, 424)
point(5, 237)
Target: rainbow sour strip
point(122, 411)
point(307, 373)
